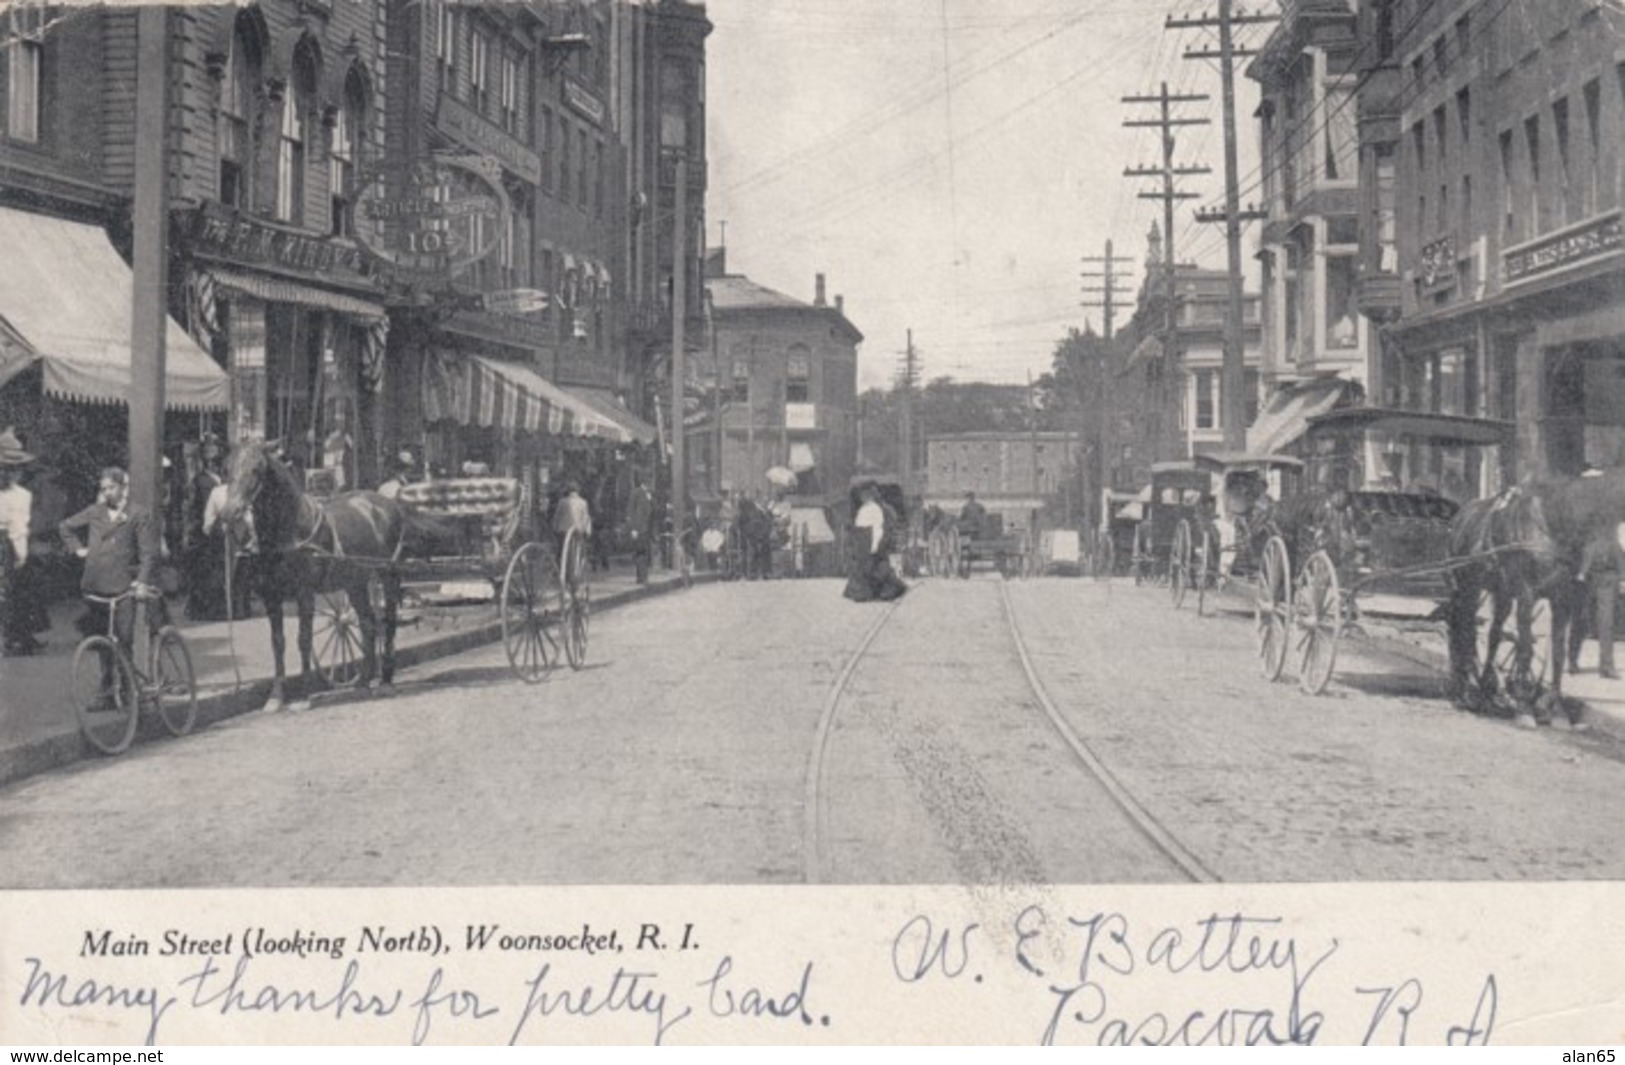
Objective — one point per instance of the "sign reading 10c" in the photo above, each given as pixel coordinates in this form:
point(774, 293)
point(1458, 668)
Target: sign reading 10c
point(443, 218)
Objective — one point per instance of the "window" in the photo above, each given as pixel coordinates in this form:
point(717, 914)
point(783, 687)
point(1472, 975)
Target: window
point(741, 391)
point(290, 160)
point(1444, 206)
point(581, 169)
point(1466, 203)
point(1387, 255)
point(1509, 231)
point(673, 105)
point(1441, 54)
point(1560, 133)
point(479, 72)
point(1342, 313)
point(1464, 116)
point(234, 134)
point(1592, 95)
point(798, 375)
point(1531, 137)
point(510, 94)
point(1342, 137)
point(598, 179)
point(1441, 134)
point(446, 46)
point(1202, 383)
point(25, 57)
point(1385, 29)
point(1249, 400)
point(1464, 36)
point(1419, 148)
point(564, 160)
point(349, 140)
point(547, 149)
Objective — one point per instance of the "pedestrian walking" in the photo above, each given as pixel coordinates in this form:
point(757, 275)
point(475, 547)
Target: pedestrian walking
point(1601, 563)
point(17, 607)
point(870, 574)
point(572, 513)
point(206, 567)
point(640, 511)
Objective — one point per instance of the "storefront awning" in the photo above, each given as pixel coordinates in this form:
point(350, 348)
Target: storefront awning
point(65, 300)
point(475, 390)
point(1286, 418)
point(282, 290)
point(1147, 349)
point(801, 456)
point(640, 431)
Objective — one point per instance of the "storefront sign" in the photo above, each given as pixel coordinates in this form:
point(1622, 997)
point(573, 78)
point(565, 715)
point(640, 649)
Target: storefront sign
point(444, 217)
point(800, 416)
point(584, 101)
point(1436, 268)
point(500, 328)
point(1588, 240)
point(578, 367)
point(219, 230)
point(467, 126)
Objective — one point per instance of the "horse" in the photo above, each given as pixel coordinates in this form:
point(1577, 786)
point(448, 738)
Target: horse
point(307, 545)
point(1524, 547)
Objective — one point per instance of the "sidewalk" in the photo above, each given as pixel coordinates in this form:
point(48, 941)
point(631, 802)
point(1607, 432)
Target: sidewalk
point(37, 727)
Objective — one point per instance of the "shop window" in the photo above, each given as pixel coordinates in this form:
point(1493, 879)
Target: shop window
point(25, 60)
point(234, 133)
point(798, 376)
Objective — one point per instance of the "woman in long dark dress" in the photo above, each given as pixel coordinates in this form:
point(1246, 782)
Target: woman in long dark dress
point(874, 531)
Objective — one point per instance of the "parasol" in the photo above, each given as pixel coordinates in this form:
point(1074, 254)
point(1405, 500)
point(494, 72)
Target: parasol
point(782, 476)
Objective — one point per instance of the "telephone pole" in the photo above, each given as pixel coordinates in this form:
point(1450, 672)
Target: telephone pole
point(1166, 122)
point(679, 358)
point(1233, 378)
point(149, 318)
point(906, 376)
point(1105, 297)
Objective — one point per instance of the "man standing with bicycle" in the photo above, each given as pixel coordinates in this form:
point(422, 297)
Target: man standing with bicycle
point(120, 553)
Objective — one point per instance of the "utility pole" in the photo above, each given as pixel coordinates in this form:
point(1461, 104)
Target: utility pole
point(1166, 123)
point(1109, 276)
point(679, 360)
point(905, 422)
point(1233, 378)
point(150, 216)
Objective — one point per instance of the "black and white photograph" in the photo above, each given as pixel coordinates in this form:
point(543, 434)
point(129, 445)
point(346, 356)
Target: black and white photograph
point(999, 445)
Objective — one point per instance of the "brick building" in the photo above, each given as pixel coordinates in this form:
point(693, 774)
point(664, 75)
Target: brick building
point(1015, 475)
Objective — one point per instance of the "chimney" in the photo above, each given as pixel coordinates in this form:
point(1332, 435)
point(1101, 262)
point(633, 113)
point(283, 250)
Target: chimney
point(818, 296)
point(840, 305)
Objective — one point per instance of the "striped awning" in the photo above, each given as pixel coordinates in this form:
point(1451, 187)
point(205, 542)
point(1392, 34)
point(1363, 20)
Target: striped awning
point(281, 290)
point(474, 390)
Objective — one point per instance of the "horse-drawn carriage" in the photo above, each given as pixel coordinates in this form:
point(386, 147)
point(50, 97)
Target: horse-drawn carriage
point(484, 549)
point(1171, 508)
point(1351, 549)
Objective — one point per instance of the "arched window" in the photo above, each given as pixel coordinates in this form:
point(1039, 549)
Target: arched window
point(297, 103)
point(349, 140)
point(234, 134)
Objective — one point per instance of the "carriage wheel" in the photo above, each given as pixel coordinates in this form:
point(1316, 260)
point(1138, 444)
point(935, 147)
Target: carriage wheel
point(573, 562)
point(1206, 571)
point(102, 687)
point(1272, 607)
point(1526, 671)
point(530, 603)
point(1179, 564)
point(336, 638)
point(174, 684)
point(1317, 611)
point(573, 627)
point(1488, 675)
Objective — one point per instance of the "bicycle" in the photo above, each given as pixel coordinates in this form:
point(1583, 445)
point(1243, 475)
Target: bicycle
point(109, 690)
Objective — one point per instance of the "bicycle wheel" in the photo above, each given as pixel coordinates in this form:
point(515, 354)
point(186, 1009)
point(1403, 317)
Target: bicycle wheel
point(104, 695)
point(173, 685)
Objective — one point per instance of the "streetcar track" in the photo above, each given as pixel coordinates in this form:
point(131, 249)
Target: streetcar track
point(1141, 817)
point(815, 835)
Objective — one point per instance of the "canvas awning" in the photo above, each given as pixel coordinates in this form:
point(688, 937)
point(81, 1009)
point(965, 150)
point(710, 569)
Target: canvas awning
point(65, 302)
point(282, 290)
point(801, 456)
point(639, 430)
point(475, 390)
point(1286, 418)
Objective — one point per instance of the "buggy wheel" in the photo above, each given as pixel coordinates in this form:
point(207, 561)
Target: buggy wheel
point(1179, 564)
point(104, 694)
point(1489, 673)
point(174, 687)
point(1527, 669)
point(573, 628)
point(573, 562)
point(1317, 611)
point(1272, 607)
point(529, 606)
point(1206, 571)
point(336, 638)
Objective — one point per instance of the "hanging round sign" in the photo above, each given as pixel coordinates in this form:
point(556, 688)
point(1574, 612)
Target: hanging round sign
point(441, 217)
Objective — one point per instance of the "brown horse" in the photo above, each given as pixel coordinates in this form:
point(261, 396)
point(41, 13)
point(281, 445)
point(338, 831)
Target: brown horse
point(1525, 545)
point(307, 545)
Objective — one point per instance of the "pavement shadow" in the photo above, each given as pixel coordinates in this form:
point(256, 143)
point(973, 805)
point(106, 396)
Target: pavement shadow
point(1400, 685)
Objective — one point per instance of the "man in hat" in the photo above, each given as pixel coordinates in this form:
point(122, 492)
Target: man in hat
point(640, 512)
point(403, 472)
point(16, 505)
point(206, 596)
point(121, 555)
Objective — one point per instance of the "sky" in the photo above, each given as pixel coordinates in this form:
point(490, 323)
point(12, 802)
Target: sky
point(948, 163)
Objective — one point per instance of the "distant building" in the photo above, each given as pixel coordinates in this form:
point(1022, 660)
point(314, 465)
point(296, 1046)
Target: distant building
point(785, 373)
point(1014, 474)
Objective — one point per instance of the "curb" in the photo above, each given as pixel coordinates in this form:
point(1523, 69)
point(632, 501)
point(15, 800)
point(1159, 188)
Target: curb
point(66, 748)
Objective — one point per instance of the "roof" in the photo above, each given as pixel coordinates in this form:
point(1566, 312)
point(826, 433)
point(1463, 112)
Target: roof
point(738, 294)
point(1225, 461)
point(1020, 436)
